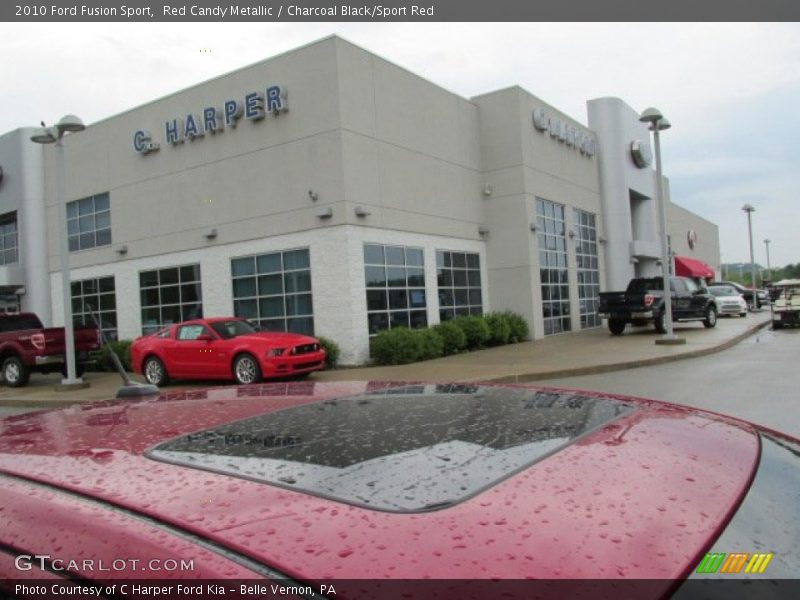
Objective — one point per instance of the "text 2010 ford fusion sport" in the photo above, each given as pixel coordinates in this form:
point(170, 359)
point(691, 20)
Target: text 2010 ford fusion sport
point(380, 491)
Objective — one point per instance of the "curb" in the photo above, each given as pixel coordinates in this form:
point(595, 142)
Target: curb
point(635, 364)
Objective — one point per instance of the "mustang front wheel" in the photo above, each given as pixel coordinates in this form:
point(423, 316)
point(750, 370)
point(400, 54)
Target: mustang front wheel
point(246, 369)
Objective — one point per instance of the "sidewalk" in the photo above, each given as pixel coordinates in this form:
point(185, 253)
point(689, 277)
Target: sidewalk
point(578, 353)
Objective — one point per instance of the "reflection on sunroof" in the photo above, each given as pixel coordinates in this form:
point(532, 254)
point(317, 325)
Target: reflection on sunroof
point(406, 449)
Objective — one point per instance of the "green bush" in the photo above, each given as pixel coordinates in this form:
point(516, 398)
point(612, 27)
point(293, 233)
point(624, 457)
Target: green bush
point(519, 326)
point(475, 329)
point(398, 346)
point(103, 360)
point(453, 338)
point(499, 327)
point(331, 351)
point(432, 344)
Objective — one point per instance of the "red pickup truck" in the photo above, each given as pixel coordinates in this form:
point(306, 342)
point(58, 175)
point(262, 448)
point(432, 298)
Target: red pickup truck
point(26, 346)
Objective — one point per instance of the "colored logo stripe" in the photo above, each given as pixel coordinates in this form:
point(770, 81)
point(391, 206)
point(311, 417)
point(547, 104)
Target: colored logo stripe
point(758, 563)
point(714, 562)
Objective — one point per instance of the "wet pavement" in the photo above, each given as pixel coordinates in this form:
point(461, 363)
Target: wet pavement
point(571, 354)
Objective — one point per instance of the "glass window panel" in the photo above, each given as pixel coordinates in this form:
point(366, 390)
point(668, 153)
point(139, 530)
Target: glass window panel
point(295, 259)
point(473, 261)
point(108, 302)
point(475, 297)
point(168, 276)
point(377, 300)
point(191, 311)
point(462, 311)
point(395, 255)
point(273, 324)
point(72, 227)
point(103, 220)
point(86, 240)
point(414, 257)
point(396, 276)
point(189, 273)
point(246, 309)
point(170, 294)
point(171, 314)
point(445, 297)
point(474, 278)
point(398, 319)
point(148, 278)
point(448, 259)
point(243, 266)
point(418, 318)
point(151, 316)
point(398, 299)
point(85, 206)
point(415, 277)
point(375, 276)
point(191, 292)
point(108, 320)
point(377, 321)
point(298, 281)
point(459, 260)
point(72, 210)
point(106, 284)
point(101, 202)
point(459, 278)
point(446, 314)
point(269, 263)
point(86, 224)
point(416, 298)
point(244, 287)
point(299, 304)
point(373, 254)
point(439, 259)
point(270, 284)
point(271, 307)
point(445, 278)
point(461, 296)
point(103, 237)
point(303, 325)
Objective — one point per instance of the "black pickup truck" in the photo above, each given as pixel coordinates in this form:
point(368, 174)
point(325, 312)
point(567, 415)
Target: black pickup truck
point(643, 303)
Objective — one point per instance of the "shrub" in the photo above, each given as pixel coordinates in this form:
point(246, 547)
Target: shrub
point(499, 327)
point(519, 326)
point(453, 338)
point(331, 352)
point(475, 329)
point(431, 343)
point(103, 360)
point(398, 346)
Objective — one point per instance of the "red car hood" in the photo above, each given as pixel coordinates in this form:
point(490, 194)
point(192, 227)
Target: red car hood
point(279, 338)
point(640, 497)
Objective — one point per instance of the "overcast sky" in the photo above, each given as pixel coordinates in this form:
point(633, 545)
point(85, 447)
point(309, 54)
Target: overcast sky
point(731, 90)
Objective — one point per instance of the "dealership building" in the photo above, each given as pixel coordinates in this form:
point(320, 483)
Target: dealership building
point(331, 192)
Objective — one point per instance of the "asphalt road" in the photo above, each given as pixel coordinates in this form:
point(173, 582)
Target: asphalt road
point(757, 380)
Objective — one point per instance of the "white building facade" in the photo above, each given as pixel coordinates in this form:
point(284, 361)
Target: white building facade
point(330, 192)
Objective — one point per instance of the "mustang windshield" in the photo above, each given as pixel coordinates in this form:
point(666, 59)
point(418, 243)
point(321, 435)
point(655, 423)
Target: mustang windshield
point(232, 329)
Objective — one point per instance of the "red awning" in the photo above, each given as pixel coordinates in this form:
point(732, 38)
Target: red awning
point(689, 267)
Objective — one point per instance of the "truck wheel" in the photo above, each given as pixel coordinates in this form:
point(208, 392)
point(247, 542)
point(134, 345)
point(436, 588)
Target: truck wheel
point(711, 317)
point(616, 326)
point(777, 325)
point(660, 322)
point(15, 372)
point(154, 371)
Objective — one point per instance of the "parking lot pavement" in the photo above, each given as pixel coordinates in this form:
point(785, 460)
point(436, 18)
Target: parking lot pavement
point(578, 353)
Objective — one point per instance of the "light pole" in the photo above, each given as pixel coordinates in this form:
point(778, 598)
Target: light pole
point(657, 123)
point(54, 135)
point(748, 208)
point(769, 268)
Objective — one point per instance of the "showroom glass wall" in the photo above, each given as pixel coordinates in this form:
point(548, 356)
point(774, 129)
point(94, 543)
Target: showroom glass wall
point(588, 269)
point(553, 271)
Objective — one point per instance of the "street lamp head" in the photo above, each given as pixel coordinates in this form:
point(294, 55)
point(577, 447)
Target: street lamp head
point(71, 124)
point(45, 135)
point(650, 115)
point(767, 241)
point(748, 208)
point(662, 124)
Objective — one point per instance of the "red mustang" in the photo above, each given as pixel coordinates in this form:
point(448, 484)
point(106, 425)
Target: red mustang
point(223, 348)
